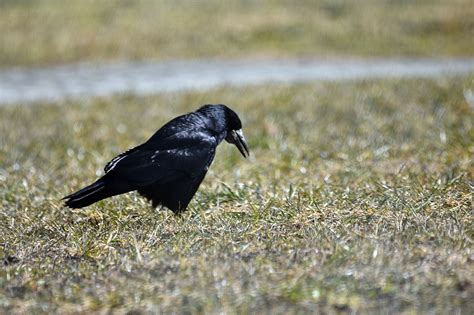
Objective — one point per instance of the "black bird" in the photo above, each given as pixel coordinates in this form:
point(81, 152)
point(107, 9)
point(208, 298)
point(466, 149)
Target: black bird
point(169, 167)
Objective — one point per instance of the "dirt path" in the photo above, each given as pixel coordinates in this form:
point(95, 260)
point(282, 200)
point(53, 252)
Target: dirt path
point(82, 80)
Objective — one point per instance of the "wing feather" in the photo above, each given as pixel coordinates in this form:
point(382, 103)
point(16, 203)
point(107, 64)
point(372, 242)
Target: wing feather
point(179, 155)
point(109, 166)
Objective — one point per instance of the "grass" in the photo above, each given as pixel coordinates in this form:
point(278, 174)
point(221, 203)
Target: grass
point(53, 31)
point(357, 198)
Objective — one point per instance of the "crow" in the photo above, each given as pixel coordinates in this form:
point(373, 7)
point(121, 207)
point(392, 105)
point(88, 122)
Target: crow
point(169, 167)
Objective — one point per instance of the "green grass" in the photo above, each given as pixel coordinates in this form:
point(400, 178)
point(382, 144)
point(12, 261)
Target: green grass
point(357, 197)
point(54, 31)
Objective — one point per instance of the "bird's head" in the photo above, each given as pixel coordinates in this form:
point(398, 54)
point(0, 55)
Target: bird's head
point(232, 126)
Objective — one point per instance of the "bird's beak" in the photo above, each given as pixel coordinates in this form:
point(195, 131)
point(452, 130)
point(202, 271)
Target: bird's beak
point(237, 137)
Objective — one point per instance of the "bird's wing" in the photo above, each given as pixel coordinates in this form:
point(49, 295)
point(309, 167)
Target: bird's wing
point(184, 154)
point(111, 165)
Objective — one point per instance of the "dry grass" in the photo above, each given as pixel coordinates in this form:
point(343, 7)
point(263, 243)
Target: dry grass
point(54, 31)
point(358, 197)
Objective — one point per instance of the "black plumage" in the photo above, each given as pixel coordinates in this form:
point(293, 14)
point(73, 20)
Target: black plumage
point(169, 167)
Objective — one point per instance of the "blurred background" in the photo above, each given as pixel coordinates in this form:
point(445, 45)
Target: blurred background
point(40, 32)
point(145, 47)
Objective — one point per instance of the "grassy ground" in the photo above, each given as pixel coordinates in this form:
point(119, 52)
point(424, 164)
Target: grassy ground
point(357, 197)
point(55, 31)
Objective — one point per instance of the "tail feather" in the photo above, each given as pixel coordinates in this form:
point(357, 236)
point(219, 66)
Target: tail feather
point(88, 195)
